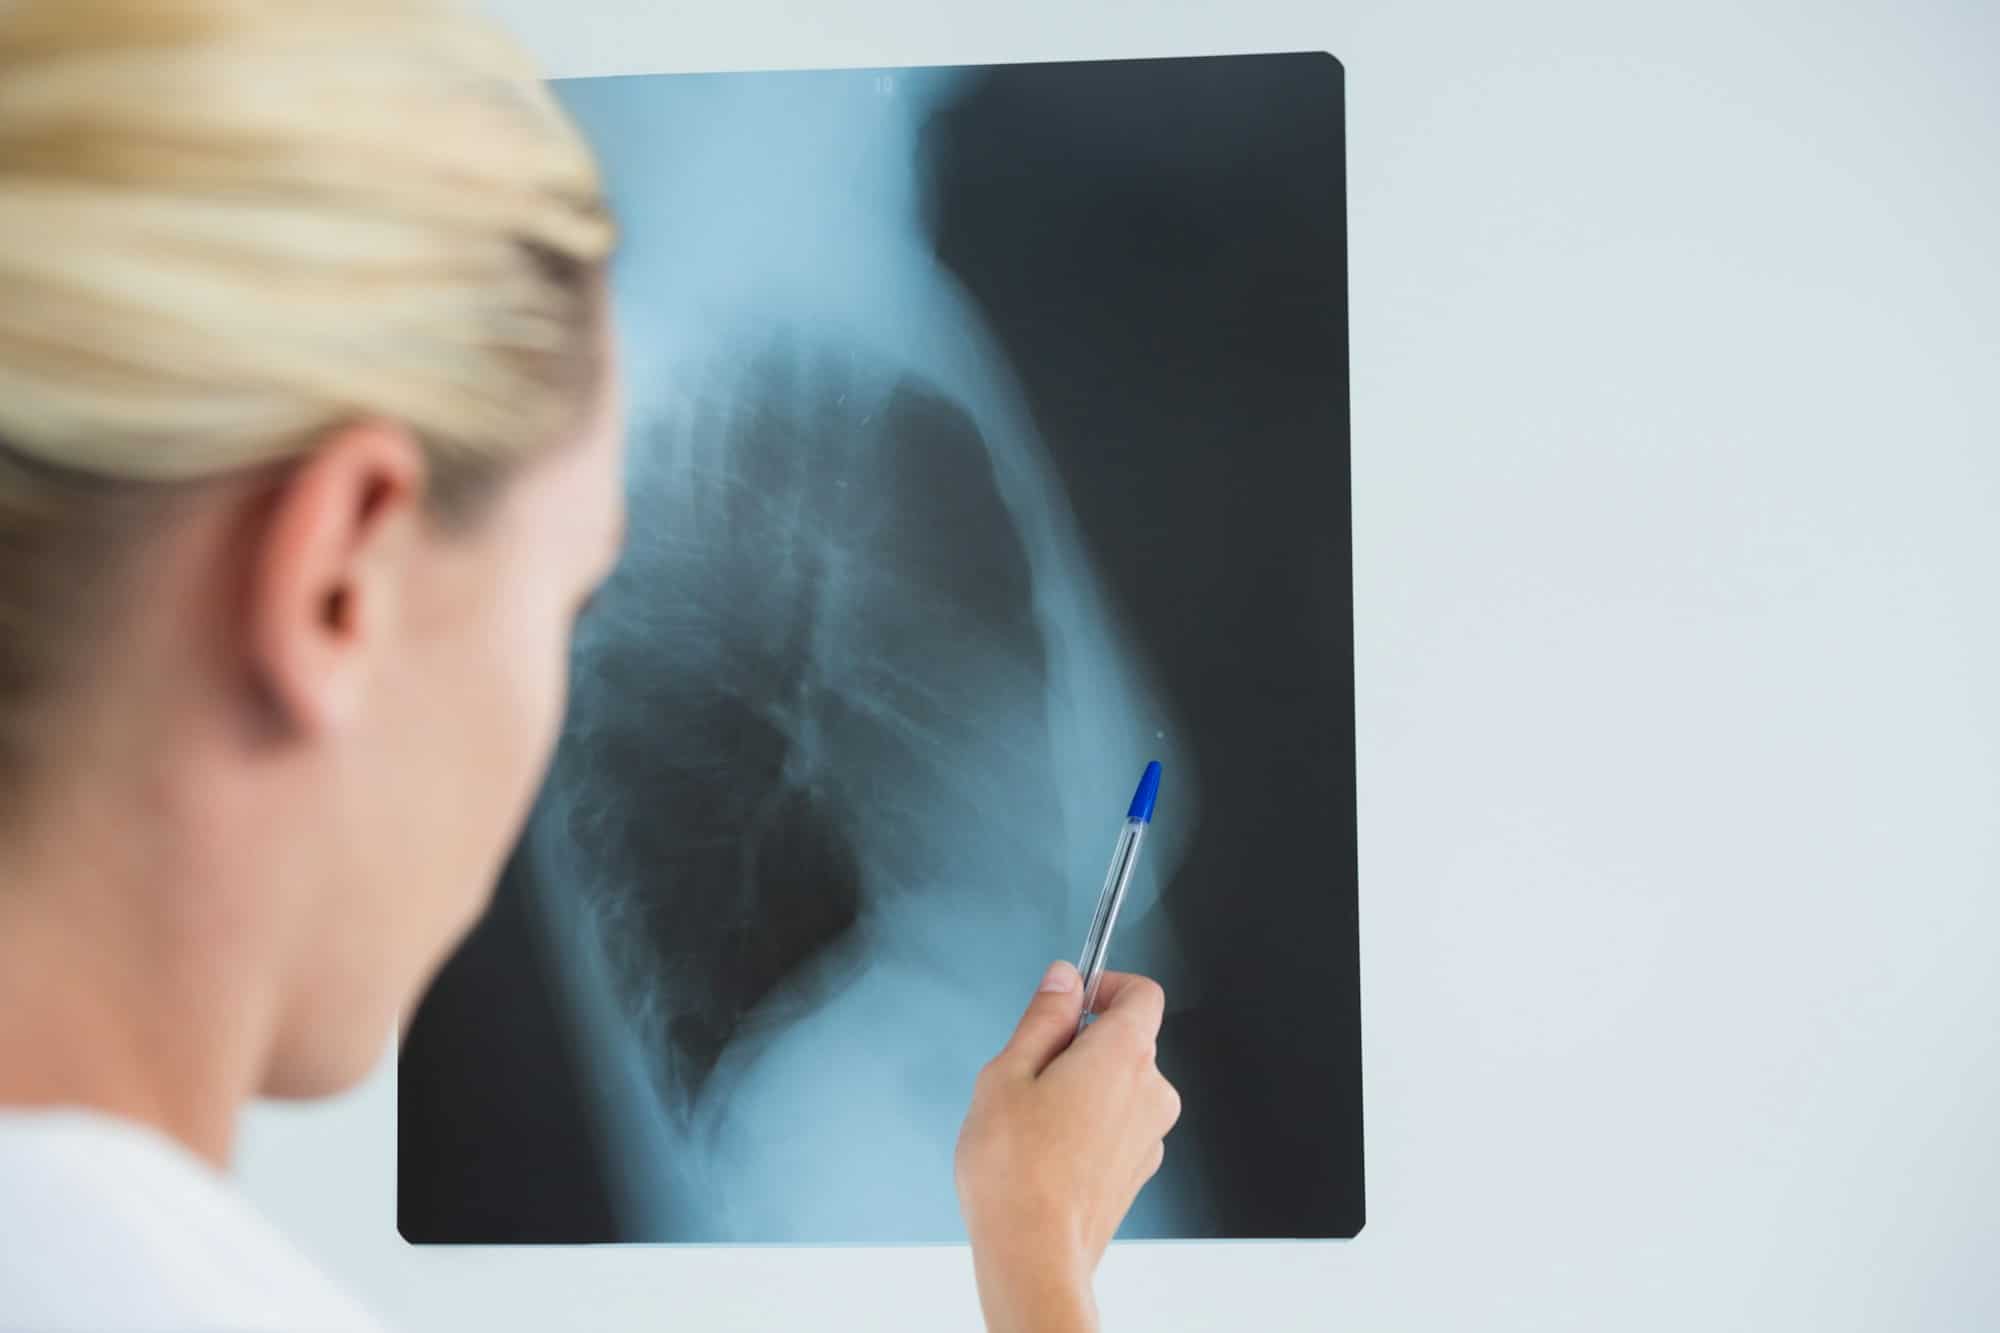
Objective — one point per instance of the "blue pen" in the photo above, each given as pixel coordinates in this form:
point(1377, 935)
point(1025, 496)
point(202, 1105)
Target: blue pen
point(1124, 858)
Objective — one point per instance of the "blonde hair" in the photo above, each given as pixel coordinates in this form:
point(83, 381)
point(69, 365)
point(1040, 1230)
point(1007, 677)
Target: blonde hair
point(229, 225)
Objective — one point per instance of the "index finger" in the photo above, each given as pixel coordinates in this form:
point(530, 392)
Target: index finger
point(1138, 999)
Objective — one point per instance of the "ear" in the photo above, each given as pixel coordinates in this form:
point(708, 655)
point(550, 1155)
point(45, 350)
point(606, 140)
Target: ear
point(328, 572)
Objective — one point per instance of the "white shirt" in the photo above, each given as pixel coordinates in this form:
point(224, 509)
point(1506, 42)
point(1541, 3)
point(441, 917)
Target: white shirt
point(111, 1227)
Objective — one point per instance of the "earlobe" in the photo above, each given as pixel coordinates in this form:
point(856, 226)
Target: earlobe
point(327, 566)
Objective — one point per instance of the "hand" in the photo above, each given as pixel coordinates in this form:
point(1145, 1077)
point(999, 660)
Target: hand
point(1059, 1140)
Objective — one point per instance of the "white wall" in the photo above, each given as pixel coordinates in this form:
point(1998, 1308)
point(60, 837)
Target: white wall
point(1677, 458)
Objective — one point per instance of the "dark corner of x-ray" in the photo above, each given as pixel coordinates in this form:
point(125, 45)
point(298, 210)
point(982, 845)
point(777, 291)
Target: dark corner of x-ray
point(988, 440)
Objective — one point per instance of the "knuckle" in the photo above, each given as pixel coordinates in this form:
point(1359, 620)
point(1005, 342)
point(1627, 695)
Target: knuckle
point(1135, 1055)
point(1135, 1042)
point(980, 1154)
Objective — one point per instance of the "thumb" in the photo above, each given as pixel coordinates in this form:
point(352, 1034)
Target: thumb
point(1050, 1023)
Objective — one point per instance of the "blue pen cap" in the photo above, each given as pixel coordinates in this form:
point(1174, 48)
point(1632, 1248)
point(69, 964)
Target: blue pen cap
point(1148, 793)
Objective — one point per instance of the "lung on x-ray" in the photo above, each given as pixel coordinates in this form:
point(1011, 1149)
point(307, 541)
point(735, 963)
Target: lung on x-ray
point(988, 439)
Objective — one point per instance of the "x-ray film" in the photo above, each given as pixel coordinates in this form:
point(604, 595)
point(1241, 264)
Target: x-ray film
point(988, 439)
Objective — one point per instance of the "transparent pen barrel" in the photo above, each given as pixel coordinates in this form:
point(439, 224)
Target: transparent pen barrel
point(1097, 944)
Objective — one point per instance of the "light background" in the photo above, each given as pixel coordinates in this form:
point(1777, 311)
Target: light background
point(1676, 408)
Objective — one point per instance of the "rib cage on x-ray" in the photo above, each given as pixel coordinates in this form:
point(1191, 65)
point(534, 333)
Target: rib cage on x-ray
point(852, 724)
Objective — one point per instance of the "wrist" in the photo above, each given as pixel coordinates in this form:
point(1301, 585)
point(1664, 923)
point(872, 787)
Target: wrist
point(1016, 1308)
point(1034, 1288)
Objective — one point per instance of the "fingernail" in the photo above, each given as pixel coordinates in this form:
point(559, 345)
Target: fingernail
point(1059, 977)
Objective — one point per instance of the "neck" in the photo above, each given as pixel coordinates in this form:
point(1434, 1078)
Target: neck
point(120, 991)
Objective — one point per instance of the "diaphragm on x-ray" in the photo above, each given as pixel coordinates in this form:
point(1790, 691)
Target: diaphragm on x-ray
point(988, 439)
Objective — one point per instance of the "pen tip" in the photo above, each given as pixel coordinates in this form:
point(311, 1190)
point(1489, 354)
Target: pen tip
point(1148, 793)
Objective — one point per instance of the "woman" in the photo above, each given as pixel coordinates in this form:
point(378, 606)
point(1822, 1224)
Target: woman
point(309, 455)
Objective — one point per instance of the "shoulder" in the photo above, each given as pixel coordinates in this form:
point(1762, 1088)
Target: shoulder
point(110, 1226)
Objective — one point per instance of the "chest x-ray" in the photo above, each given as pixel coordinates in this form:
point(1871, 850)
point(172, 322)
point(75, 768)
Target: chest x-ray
point(988, 440)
